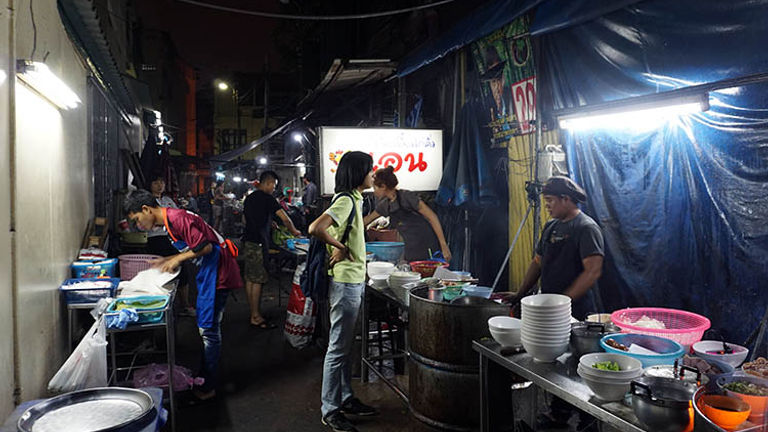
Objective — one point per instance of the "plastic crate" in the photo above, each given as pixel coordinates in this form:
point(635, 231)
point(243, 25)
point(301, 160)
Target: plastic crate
point(132, 264)
point(685, 328)
point(94, 269)
point(146, 316)
point(74, 294)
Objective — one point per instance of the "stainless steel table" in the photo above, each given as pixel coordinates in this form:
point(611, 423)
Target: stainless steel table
point(366, 361)
point(559, 378)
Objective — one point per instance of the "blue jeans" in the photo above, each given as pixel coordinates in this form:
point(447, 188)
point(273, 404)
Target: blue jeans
point(345, 300)
point(212, 342)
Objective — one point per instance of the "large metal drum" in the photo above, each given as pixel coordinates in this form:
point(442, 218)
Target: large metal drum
point(444, 381)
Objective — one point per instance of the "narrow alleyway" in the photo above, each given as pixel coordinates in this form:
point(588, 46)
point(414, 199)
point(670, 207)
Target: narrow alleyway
point(269, 386)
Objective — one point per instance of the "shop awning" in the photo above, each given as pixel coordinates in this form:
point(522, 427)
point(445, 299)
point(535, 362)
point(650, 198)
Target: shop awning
point(345, 75)
point(551, 15)
point(82, 24)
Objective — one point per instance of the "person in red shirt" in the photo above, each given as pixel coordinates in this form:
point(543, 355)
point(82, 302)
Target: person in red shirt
point(217, 271)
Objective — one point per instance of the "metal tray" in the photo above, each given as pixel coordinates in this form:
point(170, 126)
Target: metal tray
point(92, 410)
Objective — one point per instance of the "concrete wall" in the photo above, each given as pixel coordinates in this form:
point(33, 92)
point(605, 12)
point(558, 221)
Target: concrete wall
point(54, 189)
point(6, 319)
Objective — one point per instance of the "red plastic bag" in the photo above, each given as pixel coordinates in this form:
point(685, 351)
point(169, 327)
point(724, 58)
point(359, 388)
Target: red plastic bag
point(301, 316)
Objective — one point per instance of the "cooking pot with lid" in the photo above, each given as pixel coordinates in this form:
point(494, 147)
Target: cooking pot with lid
point(585, 336)
point(663, 404)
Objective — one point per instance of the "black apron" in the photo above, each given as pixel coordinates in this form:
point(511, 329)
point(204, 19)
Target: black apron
point(416, 232)
point(559, 270)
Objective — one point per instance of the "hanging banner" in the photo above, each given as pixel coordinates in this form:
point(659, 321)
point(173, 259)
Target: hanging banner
point(505, 65)
point(415, 154)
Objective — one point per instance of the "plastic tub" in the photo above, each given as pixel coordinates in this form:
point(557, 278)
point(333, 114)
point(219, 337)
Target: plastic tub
point(478, 291)
point(668, 349)
point(386, 251)
point(94, 269)
point(144, 305)
point(76, 292)
point(685, 328)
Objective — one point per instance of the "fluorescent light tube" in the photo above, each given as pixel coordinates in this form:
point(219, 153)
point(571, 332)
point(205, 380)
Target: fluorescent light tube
point(39, 77)
point(639, 116)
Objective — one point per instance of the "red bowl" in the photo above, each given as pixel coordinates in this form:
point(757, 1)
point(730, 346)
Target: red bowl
point(426, 268)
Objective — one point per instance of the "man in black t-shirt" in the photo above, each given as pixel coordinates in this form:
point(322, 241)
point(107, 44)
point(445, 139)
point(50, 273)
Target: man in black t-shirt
point(257, 214)
point(569, 256)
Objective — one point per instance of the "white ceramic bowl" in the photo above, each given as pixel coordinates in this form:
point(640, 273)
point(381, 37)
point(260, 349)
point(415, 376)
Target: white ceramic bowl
point(539, 340)
point(630, 367)
point(547, 326)
point(545, 353)
point(546, 300)
point(545, 334)
point(607, 390)
point(380, 268)
point(504, 323)
point(379, 281)
point(562, 317)
point(506, 338)
point(735, 359)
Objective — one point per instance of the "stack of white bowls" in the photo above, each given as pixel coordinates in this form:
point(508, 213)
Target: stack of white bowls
point(609, 385)
point(400, 278)
point(505, 330)
point(376, 268)
point(546, 326)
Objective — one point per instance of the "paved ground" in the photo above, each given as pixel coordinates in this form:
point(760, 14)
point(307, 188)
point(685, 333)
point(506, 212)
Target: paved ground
point(269, 386)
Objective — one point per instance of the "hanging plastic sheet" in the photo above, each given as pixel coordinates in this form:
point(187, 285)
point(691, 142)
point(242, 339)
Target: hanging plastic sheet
point(683, 207)
point(467, 178)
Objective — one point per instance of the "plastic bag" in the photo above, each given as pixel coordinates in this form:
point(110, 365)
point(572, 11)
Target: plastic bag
point(155, 375)
point(86, 367)
point(301, 316)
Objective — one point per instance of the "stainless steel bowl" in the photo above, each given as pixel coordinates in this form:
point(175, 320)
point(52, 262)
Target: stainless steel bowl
point(662, 404)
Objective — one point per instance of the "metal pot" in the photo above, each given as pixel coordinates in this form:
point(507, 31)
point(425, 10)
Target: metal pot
point(585, 336)
point(663, 404)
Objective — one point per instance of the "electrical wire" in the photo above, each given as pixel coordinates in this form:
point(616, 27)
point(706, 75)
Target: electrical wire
point(315, 17)
point(34, 30)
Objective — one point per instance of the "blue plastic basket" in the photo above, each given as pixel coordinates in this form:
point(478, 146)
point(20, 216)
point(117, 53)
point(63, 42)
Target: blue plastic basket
point(668, 349)
point(74, 295)
point(94, 269)
point(386, 251)
point(146, 315)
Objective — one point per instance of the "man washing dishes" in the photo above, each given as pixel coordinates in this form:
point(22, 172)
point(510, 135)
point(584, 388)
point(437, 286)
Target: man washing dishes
point(217, 272)
point(569, 256)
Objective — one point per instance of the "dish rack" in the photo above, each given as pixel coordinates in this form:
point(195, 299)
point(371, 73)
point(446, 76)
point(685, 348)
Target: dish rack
point(685, 328)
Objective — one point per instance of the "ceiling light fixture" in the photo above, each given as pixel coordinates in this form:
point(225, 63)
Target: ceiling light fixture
point(263, 160)
point(222, 86)
point(237, 179)
point(642, 113)
point(39, 77)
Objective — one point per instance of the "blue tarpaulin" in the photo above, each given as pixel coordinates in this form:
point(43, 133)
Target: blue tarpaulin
point(550, 15)
point(467, 179)
point(486, 19)
point(684, 208)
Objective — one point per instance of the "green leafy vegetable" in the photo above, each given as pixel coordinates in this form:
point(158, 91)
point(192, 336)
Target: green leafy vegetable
point(747, 388)
point(607, 365)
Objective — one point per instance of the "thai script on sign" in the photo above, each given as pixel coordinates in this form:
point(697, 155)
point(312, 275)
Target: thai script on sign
point(408, 161)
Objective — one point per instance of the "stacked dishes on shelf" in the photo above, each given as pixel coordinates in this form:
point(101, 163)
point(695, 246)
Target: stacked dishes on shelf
point(546, 327)
point(505, 330)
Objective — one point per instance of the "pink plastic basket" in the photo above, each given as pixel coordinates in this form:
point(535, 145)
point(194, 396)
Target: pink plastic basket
point(685, 328)
point(131, 265)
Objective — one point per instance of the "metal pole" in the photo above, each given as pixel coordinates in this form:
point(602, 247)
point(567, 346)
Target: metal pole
point(536, 198)
point(266, 95)
point(512, 246)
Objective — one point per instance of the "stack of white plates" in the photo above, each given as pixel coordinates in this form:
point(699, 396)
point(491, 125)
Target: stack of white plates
point(546, 326)
point(400, 278)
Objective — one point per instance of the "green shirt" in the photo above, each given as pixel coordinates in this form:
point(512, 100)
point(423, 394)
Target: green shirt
point(348, 271)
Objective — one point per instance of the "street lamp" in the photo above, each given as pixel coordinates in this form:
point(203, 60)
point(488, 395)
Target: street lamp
point(297, 137)
point(223, 86)
point(263, 160)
